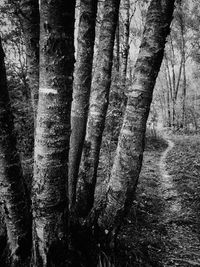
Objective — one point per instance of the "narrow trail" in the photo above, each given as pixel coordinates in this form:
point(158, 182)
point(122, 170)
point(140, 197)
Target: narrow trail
point(168, 189)
point(182, 245)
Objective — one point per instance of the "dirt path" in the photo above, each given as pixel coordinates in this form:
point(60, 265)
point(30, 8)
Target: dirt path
point(163, 227)
point(168, 189)
point(182, 245)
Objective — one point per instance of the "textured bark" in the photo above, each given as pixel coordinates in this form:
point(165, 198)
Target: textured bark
point(171, 91)
point(182, 26)
point(29, 16)
point(129, 154)
point(169, 95)
point(98, 106)
point(49, 189)
point(125, 51)
point(117, 48)
point(172, 59)
point(168, 108)
point(13, 196)
point(81, 90)
point(178, 79)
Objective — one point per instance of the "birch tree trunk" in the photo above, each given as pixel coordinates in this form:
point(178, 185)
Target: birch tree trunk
point(129, 154)
point(168, 108)
point(98, 106)
point(182, 28)
point(13, 193)
point(125, 51)
point(49, 189)
point(81, 90)
point(30, 20)
point(117, 48)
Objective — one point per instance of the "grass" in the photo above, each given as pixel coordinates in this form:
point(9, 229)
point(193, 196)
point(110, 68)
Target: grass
point(184, 164)
point(139, 243)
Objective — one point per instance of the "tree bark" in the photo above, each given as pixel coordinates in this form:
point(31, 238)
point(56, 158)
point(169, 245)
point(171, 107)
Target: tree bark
point(182, 26)
point(117, 47)
point(125, 51)
point(129, 154)
point(168, 108)
point(49, 189)
point(30, 20)
point(171, 92)
point(13, 193)
point(81, 90)
point(172, 62)
point(98, 106)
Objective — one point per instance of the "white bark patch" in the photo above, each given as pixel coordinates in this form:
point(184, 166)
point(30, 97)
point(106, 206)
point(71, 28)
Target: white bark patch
point(48, 91)
point(144, 53)
point(40, 232)
point(127, 132)
point(94, 113)
point(115, 184)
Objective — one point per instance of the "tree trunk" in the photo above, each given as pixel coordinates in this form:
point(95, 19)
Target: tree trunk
point(170, 92)
point(168, 108)
point(129, 154)
point(122, 99)
point(117, 47)
point(98, 107)
point(172, 62)
point(29, 17)
point(13, 193)
point(125, 51)
point(182, 25)
point(49, 189)
point(178, 79)
point(81, 93)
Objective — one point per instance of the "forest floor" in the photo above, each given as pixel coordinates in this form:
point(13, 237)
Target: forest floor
point(163, 227)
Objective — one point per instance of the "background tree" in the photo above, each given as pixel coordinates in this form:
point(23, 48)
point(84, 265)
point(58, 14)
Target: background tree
point(16, 204)
point(28, 12)
point(24, 17)
point(178, 72)
point(18, 84)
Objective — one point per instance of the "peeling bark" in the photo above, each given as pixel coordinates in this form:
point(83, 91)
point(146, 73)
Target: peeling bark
point(13, 193)
point(49, 189)
point(98, 106)
point(129, 154)
point(81, 89)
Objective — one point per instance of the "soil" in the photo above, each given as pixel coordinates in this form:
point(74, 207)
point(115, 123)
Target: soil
point(163, 227)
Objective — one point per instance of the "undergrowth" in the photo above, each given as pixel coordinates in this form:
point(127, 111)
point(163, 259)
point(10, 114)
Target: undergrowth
point(139, 242)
